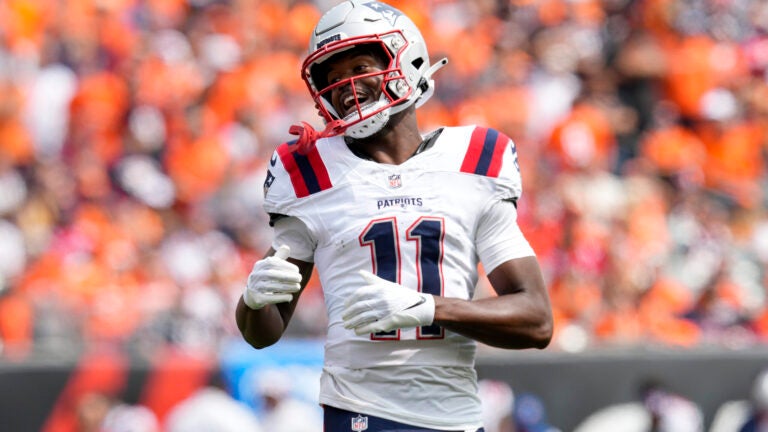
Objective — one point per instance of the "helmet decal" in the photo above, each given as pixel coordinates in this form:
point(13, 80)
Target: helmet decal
point(328, 40)
point(387, 12)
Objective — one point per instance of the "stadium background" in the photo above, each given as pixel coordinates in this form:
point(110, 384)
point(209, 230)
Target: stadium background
point(133, 135)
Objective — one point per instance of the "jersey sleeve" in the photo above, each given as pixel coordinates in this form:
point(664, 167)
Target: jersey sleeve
point(492, 154)
point(278, 191)
point(293, 232)
point(499, 238)
point(510, 183)
point(291, 177)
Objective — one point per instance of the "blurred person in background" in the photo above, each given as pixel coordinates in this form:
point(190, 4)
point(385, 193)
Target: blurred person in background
point(212, 408)
point(668, 410)
point(281, 410)
point(530, 415)
point(498, 405)
point(757, 417)
point(97, 412)
point(91, 409)
point(396, 223)
point(659, 409)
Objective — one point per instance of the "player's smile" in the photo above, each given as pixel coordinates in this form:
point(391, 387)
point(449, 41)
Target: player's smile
point(362, 75)
point(350, 100)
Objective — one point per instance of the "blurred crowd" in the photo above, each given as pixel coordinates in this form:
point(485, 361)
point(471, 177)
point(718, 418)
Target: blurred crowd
point(276, 407)
point(134, 134)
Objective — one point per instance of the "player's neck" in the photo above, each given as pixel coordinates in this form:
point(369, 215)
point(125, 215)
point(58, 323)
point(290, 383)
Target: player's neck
point(395, 144)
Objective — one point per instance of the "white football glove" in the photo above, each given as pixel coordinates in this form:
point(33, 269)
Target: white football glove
point(272, 280)
point(381, 305)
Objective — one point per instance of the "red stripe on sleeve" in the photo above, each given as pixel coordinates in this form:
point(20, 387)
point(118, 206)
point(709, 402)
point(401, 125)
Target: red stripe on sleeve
point(475, 149)
point(297, 180)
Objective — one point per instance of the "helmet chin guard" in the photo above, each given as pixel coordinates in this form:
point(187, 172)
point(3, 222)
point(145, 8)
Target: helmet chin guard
point(367, 120)
point(406, 79)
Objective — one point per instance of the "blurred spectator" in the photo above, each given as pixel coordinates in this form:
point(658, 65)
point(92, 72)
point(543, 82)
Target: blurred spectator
point(658, 410)
point(620, 417)
point(16, 315)
point(670, 412)
point(757, 418)
point(97, 412)
point(530, 414)
point(498, 405)
point(130, 418)
point(212, 408)
point(281, 410)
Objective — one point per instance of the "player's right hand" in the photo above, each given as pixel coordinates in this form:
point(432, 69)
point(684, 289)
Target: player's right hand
point(272, 280)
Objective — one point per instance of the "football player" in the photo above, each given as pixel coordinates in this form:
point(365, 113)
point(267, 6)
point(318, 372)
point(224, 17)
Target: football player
point(396, 224)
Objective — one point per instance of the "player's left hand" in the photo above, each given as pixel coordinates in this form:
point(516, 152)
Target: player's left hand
point(381, 305)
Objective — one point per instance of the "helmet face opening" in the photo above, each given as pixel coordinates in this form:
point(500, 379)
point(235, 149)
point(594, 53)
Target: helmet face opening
point(393, 89)
point(320, 69)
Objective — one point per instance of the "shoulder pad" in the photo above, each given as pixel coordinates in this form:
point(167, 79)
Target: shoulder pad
point(308, 173)
point(485, 152)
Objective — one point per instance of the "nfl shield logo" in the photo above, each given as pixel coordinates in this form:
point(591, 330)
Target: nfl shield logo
point(395, 181)
point(359, 423)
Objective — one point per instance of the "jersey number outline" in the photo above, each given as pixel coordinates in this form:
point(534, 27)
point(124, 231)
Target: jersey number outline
point(381, 236)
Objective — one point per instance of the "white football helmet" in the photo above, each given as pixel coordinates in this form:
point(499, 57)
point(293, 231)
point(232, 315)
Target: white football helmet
point(407, 79)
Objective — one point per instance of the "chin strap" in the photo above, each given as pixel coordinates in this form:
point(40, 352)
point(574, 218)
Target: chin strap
point(308, 135)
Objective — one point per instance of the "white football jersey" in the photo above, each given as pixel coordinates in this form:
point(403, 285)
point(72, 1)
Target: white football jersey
point(414, 224)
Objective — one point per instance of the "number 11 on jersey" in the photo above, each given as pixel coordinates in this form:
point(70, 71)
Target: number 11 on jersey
point(381, 236)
